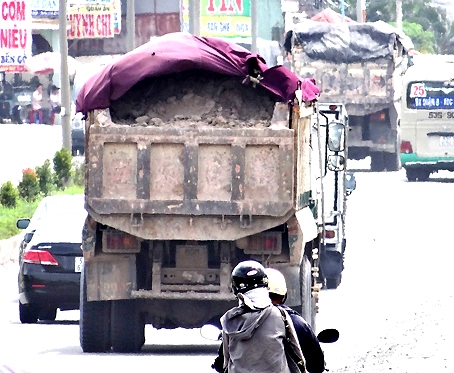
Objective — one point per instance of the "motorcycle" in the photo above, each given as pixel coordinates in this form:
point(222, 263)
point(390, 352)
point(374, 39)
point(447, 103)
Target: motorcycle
point(22, 104)
point(213, 333)
point(6, 93)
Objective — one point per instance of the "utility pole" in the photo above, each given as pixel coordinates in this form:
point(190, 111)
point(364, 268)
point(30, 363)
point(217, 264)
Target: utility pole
point(64, 77)
point(343, 10)
point(131, 25)
point(254, 26)
point(194, 17)
point(361, 11)
point(399, 14)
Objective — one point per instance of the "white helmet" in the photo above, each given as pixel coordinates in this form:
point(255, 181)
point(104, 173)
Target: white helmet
point(276, 282)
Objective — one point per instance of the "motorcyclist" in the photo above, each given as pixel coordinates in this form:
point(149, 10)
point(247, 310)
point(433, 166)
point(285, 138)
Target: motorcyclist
point(253, 333)
point(310, 346)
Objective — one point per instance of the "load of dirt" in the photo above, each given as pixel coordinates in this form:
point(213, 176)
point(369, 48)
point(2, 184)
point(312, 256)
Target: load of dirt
point(194, 99)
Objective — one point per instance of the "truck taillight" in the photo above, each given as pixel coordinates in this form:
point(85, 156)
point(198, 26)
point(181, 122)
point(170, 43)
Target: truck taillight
point(405, 147)
point(114, 241)
point(333, 107)
point(265, 243)
point(43, 257)
point(330, 234)
point(378, 117)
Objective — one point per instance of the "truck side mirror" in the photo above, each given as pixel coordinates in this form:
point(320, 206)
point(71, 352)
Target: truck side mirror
point(336, 162)
point(336, 133)
point(350, 183)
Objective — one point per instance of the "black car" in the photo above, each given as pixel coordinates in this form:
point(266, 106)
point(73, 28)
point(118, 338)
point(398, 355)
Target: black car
point(50, 266)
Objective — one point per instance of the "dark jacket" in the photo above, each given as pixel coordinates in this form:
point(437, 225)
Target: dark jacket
point(310, 346)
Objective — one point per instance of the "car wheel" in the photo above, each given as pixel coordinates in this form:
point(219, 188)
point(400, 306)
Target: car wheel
point(128, 327)
point(28, 313)
point(94, 324)
point(48, 314)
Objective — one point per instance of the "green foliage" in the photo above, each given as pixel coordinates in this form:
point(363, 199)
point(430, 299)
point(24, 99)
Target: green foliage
point(79, 174)
point(9, 216)
point(62, 167)
point(423, 41)
point(8, 195)
point(29, 185)
point(425, 24)
point(45, 178)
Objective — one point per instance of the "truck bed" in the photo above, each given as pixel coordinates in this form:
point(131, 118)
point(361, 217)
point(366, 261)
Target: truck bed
point(202, 180)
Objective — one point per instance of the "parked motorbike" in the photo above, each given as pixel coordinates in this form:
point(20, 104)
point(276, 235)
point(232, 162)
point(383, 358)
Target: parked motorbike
point(22, 104)
point(6, 95)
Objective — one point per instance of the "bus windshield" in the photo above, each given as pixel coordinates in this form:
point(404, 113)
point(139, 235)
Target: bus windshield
point(430, 95)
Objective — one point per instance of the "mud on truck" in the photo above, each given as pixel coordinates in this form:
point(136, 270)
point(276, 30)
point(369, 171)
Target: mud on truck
point(361, 66)
point(187, 174)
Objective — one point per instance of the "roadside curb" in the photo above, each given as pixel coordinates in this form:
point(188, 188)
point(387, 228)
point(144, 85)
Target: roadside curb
point(9, 249)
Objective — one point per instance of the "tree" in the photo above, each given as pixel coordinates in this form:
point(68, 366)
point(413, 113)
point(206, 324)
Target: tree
point(430, 30)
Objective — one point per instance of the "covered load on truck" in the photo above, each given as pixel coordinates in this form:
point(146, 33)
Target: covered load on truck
point(189, 170)
point(359, 65)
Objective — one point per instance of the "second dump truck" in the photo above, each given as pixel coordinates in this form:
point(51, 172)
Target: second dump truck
point(361, 66)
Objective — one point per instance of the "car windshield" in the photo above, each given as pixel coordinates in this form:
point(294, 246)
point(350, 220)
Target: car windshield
point(61, 228)
point(54, 205)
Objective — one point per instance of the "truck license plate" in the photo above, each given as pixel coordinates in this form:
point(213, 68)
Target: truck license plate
point(446, 141)
point(78, 262)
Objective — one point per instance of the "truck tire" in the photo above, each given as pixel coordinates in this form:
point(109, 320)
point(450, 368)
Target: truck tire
point(94, 324)
point(308, 310)
point(377, 161)
point(128, 327)
point(333, 282)
point(392, 161)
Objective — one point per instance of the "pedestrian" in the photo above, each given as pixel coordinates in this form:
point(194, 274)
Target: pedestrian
point(254, 333)
point(310, 346)
point(36, 114)
point(55, 105)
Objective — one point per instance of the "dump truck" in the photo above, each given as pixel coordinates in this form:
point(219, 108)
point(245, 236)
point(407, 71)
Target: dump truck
point(197, 156)
point(359, 65)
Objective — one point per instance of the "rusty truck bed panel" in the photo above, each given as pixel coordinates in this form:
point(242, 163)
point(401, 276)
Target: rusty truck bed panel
point(195, 171)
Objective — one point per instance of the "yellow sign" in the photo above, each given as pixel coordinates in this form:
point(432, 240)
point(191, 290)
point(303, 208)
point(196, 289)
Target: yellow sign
point(91, 21)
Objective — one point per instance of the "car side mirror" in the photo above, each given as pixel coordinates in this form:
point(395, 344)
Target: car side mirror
point(22, 223)
point(211, 332)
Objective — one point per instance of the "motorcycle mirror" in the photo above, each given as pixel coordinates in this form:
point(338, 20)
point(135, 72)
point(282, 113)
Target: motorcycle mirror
point(328, 336)
point(210, 332)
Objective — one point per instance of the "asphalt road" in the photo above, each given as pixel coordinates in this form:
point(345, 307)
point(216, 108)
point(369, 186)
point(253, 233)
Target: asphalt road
point(393, 308)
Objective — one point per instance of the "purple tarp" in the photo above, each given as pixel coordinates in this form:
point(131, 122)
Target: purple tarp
point(177, 52)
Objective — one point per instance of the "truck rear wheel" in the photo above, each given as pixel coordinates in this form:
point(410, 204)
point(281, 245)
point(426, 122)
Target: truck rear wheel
point(377, 161)
point(94, 324)
point(128, 327)
point(392, 161)
point(308, 310)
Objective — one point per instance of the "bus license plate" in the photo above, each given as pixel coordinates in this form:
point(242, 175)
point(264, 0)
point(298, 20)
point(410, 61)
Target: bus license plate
point(79, 261)
point(446, 141)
